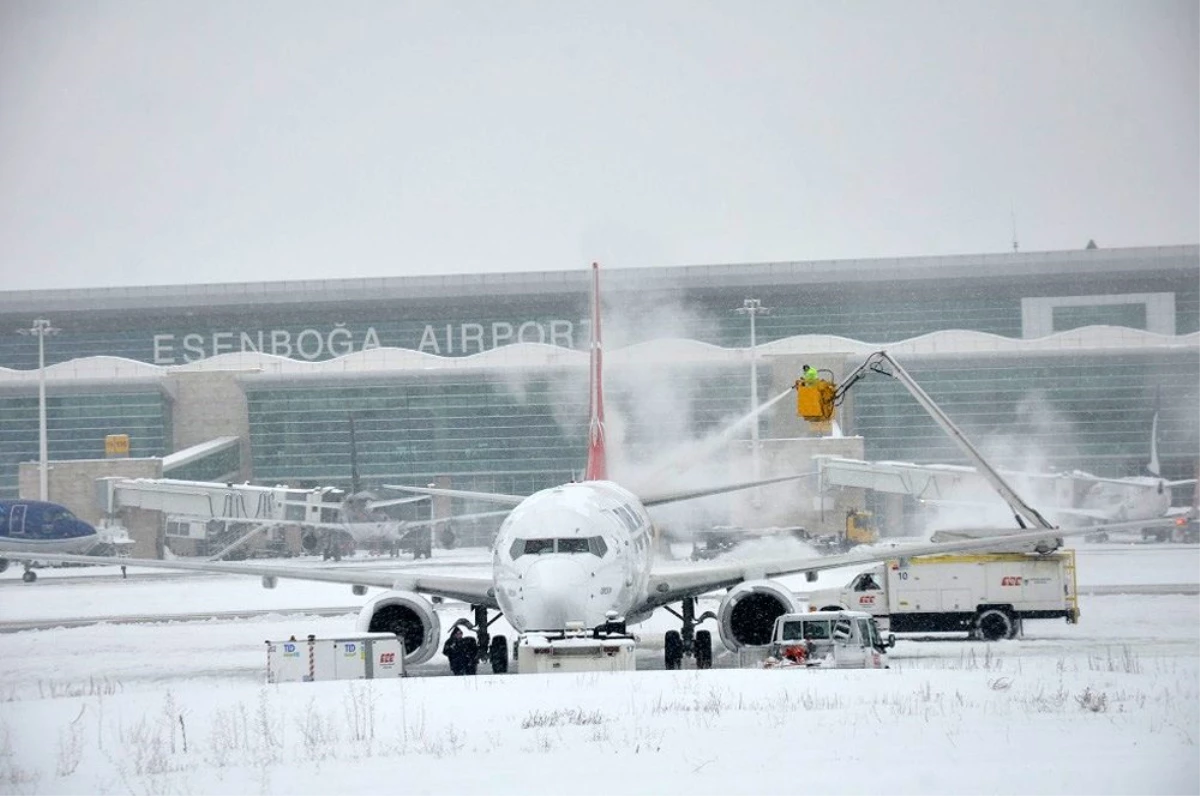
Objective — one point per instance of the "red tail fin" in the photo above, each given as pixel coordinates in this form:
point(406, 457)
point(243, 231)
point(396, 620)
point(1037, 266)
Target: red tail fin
point(597, 459)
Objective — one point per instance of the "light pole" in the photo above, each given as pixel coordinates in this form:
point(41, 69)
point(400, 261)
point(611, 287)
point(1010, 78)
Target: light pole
point(753, 308)
point(41, 327)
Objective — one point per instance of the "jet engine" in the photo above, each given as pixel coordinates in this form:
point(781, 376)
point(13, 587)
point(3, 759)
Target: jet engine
point(410, 616)
point(747, 614)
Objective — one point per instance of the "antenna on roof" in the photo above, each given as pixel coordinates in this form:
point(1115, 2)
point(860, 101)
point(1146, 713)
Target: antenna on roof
point(1012, 215)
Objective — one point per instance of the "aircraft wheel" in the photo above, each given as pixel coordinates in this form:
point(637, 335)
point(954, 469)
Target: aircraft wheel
point(3, 564)
point(994, 624)
point(498, 655)
point(672, 649)
point(29, 576)
point(704, 649)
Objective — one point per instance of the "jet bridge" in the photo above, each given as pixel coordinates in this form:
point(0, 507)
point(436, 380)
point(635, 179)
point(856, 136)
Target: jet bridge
point(922, 481)
point(243, 502)
point(191, 506)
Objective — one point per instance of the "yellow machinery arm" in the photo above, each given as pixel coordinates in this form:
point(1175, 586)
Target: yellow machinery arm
point(816, 402)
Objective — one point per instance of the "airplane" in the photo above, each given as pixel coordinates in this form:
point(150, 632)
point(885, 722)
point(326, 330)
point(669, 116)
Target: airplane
point(35, 526)
point(367, 524)
point(582, 553)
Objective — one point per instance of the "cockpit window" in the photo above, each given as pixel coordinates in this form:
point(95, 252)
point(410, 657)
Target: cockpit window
point(572, 545)
point(594, 545)
point(539, 546)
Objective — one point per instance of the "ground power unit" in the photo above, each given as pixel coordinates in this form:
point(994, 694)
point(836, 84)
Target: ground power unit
point(369, 656)
point(574, 652)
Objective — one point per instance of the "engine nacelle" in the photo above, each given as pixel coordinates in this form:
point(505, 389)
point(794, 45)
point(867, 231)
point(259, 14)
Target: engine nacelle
point(747, 614)
point(408, 615)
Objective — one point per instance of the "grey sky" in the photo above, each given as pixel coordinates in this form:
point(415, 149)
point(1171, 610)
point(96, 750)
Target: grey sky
point(172, 142)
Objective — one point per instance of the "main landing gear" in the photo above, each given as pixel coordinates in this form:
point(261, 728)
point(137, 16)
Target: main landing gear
point(484, 647)
point(678, 644)
point(29, 576)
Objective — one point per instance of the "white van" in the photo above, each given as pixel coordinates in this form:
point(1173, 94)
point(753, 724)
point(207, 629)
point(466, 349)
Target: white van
point(828, 640)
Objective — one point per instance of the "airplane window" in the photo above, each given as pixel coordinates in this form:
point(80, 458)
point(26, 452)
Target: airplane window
point(597, 547)
point(627, 516)
point(539, 546)
point(517, 549)
point(572, 545)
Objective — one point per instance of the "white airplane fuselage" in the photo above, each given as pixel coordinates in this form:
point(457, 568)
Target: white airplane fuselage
point(76, 545)
point(1140, 498)
point(578, 552)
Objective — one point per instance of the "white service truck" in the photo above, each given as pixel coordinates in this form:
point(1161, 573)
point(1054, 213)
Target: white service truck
point(827, 640)
point(987, 595)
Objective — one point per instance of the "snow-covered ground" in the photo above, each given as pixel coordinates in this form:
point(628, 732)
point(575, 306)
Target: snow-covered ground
point(1111, 705)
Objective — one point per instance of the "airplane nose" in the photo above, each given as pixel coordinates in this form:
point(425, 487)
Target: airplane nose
point(556, 592)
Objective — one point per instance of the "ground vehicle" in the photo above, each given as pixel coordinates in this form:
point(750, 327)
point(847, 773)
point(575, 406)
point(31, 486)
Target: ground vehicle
point(860, 529)
point(1187, 528)
point(575, 650)
point(988, 594)
point(827, 640)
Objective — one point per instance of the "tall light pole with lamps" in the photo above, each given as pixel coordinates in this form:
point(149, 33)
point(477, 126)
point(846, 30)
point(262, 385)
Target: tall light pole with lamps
point(41, 327)
point(753, 308)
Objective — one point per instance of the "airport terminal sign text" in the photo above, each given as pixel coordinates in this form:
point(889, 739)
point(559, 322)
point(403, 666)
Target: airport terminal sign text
point(316, 343)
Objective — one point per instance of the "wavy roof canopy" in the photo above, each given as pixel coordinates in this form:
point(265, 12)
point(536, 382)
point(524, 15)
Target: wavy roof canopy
point(662, 351)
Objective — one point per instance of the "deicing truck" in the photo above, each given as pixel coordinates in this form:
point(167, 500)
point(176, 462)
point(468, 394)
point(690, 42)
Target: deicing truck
point(987, 595)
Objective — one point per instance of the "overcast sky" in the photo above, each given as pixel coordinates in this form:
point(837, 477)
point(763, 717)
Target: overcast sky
point(174, 142)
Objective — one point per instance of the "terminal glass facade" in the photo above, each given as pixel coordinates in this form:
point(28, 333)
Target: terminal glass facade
point(76, 425)
point(513, 432)
point(1061, 412)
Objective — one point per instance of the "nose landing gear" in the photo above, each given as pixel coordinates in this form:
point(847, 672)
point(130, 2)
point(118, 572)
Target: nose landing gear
point(687, 641)
point(492, 650)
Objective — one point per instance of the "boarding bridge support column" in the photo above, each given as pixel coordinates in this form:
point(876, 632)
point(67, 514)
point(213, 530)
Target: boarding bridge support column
point(210, 404)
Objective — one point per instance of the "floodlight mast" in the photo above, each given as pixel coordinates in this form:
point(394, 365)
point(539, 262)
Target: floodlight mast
point(1026, 515)
point(41, 327)
point(753, 308)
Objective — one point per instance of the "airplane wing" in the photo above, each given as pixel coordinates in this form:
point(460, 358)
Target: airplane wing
point(399, 525)
point(668, 587)
point(1090, 514)
point(659, 499)
point(488, 497)
point(647, 500)
point(474, 590)
point(383, 504)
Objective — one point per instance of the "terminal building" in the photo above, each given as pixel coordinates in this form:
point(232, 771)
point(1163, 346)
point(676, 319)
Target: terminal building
point(1059, 360)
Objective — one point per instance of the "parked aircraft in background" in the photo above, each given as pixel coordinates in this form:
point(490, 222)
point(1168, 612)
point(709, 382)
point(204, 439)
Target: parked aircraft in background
point(36, 527)
point(1074, 497)
point(581, 554)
